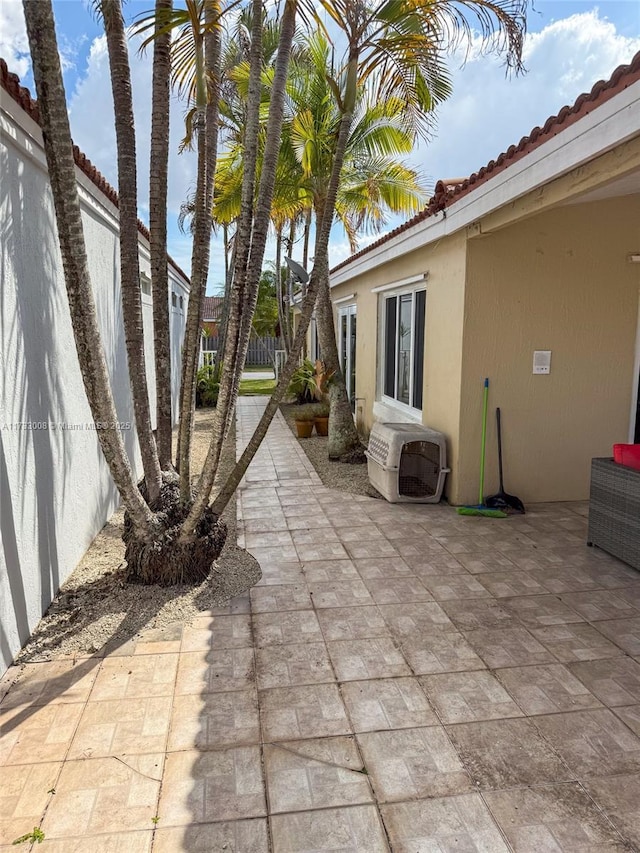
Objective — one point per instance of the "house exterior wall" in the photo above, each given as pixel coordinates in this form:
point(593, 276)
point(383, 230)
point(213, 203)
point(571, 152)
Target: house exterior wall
point(445, 263)
point(55, 488)
point(561, 281)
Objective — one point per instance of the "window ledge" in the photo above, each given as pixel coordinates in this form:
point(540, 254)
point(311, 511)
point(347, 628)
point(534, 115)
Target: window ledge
point(388, 413)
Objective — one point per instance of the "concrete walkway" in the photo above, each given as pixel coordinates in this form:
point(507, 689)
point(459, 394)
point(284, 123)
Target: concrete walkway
point(267, 373)
point(401, 679)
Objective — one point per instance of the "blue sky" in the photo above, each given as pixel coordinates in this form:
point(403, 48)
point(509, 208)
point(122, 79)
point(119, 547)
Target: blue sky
point(569, 46)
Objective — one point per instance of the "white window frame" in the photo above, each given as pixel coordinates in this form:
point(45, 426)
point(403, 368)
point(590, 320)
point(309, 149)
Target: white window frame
point(314, 350)
point(348, 311)
point(386, 293)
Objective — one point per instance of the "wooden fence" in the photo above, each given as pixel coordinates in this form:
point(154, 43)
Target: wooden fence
point(261, 352)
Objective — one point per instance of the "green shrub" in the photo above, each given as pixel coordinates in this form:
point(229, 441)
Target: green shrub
point(207, 387)
point(303, 384)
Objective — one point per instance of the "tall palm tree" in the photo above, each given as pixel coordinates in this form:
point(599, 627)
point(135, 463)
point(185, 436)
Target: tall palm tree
point(152, 552)
point(158, 179)
point(397, 47)
point(196, 52)
point(371, 179)
point(111, 12)
point(47, 74)
point(251, 239)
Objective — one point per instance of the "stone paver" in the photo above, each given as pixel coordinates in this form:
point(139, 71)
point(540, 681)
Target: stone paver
point(552, 817)
point(449, 823)
point(401, 679)
point(315, 774)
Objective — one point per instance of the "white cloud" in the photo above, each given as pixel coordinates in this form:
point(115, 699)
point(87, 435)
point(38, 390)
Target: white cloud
point(14, 45)
point(487, 113)
point(92, 97)
point(97, 138)
point(340, 250)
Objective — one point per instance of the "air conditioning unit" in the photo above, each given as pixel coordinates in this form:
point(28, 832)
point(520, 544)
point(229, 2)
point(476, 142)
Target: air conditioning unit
point(407, 462)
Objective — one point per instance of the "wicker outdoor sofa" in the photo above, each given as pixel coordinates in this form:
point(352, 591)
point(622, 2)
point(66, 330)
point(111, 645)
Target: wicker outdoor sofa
point(614, 510)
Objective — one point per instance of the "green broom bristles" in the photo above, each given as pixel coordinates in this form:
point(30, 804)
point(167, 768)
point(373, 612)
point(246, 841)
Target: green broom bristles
point(479, 510)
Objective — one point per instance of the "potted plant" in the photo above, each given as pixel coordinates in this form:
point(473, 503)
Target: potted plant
point(302, 385)
point(321, 419)
point(304, 417)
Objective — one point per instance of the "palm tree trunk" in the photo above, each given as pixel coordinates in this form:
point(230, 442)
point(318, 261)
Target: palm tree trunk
point(284, 328)
point(242, 243)
point(343, 436)
point(128, 227)
point(307, 232)
point(224, 316)
point(207, 154)
point(241, 314)
point(158, 174)
point(226, 400)
point(320, 270)
point(58, 146)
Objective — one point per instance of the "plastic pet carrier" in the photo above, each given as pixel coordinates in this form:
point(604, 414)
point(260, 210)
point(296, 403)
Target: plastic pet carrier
point(407, 462)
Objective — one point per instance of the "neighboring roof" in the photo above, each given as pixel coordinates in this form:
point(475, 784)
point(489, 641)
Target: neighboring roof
point(22, 96)
point(450, 191)
point(212, 307)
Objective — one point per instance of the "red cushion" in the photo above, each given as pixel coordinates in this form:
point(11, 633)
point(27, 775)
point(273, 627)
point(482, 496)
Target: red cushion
point(627, 454)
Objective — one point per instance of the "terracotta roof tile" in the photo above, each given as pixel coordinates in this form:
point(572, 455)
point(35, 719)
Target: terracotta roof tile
point(445, 194)
point(22, 96)
point(212, 307)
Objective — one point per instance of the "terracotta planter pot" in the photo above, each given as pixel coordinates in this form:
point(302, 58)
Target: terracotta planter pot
point(304, 429)
point(322, 426)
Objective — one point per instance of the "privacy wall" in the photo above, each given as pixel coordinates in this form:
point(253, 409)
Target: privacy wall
point(55, 489)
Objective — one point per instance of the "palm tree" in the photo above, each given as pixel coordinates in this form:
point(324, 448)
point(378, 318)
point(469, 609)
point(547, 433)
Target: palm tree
point(150, 528)
point(47, 74)
point(251, 239)
point(111, 12)
point(397, 47)
point(371, 180)
point(158, 179)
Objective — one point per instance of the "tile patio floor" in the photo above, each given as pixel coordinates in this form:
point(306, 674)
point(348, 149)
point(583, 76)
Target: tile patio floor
point(401, 679)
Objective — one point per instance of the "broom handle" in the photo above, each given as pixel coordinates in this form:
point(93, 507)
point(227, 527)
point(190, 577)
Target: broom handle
point(499, 424)
point(485, 403)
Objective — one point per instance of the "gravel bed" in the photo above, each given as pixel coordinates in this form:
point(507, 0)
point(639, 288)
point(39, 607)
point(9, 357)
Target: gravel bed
point(96, 611)
point(334, 475)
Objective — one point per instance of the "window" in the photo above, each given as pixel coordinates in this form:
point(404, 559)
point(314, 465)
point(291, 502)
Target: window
point(403, 369)
point(145, 284)
point(347, 349)
point(181, 303)
point(174, 299)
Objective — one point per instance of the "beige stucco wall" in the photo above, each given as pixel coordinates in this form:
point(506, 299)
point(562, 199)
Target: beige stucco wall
point(560, 280)
point(445, 264)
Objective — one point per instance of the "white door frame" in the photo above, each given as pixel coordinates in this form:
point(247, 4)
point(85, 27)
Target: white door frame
point(636, 379)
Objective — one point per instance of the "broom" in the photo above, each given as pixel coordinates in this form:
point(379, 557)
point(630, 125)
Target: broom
point(481, 508)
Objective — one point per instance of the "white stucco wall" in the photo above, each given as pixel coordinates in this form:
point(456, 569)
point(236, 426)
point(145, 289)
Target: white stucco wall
point(55, 489)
